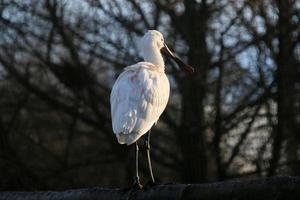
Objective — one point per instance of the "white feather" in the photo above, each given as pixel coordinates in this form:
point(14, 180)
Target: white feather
point(141, 92)
point(138, 98)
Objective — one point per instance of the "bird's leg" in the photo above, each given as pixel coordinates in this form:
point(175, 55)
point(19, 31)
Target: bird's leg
point(148, 155)
point(137, 183)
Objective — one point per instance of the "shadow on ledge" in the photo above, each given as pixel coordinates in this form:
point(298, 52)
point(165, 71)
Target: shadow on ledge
point(284, 188)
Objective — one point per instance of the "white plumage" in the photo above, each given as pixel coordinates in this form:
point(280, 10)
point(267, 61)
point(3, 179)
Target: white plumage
point(138, 98)
point(141, 92)
point(140, 95)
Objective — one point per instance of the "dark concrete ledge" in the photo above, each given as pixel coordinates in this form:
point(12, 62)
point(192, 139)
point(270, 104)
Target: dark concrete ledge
point(275, 188)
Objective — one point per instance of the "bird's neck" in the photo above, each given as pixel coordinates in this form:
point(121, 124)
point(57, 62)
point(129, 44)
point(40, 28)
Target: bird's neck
point(154, 56)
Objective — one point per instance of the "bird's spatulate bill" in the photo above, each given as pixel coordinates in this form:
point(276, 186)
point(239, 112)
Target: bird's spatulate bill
point(184, 67)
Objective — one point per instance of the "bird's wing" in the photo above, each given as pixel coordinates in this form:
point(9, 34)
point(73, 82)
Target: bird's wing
point(138, 98)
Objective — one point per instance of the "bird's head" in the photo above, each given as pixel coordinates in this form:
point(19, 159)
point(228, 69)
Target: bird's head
point(154, 39)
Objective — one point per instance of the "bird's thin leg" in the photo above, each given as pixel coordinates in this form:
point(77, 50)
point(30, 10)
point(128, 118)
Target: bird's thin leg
point(137, 178)
point(148, 155)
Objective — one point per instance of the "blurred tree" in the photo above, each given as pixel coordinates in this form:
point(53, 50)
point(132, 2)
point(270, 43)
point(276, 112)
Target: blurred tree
point(279, 38)
point(238, 115)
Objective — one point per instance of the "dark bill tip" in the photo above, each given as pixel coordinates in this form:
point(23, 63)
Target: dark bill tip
point(184, 67)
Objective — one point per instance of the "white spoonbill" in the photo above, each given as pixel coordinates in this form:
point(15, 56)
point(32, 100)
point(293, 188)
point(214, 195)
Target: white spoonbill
point(140, 94)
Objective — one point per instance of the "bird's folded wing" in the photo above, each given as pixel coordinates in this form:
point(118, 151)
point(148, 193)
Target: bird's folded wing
point(137, 100)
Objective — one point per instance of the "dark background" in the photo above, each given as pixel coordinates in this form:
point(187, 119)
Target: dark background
point(236, 117)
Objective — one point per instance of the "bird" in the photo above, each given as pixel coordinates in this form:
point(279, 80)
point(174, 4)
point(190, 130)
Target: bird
point(140, 95)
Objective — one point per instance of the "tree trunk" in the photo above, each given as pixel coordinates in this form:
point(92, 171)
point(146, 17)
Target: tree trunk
point(193, 88)
point(286, 79)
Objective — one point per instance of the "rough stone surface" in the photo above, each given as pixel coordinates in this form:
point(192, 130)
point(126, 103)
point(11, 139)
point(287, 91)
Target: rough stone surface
point(278, 188)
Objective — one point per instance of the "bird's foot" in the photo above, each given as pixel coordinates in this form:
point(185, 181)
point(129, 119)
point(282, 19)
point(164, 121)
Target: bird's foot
point(137, 185)
point(134, 187)
point(150, 184)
